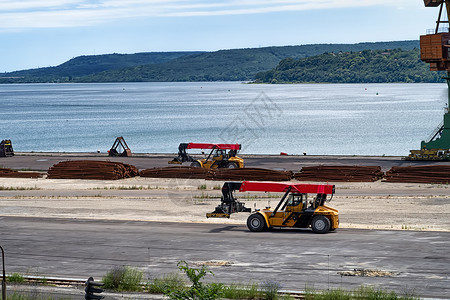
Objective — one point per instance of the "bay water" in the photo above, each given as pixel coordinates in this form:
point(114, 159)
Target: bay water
point(316, 119)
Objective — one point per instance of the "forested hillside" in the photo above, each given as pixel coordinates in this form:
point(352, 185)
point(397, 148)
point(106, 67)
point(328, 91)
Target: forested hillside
point(89, 64)
point(368, 66)
point(223, 65)
point(227, 65)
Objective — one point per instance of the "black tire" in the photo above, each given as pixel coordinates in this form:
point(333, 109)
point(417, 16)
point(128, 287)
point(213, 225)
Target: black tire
point(256, 223)
point(196, 164)
point(320, 224)
point(232, 165)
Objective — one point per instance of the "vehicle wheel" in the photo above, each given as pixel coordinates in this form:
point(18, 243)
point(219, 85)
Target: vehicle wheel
point(196, 164)
point(256, 222)
point(232, 165)
point(320, 224)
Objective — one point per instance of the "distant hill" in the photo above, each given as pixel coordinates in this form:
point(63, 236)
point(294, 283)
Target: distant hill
point(368, 66)
point(223, 65)
point(89, 64)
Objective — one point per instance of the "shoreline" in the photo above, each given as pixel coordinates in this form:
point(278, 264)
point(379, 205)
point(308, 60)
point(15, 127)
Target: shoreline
point(103, 154)
point(42, 161)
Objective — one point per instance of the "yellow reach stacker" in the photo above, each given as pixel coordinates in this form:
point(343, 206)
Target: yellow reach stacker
point(220, 156)
point(294, 210)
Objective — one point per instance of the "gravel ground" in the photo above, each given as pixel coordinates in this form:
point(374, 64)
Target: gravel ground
point(378, 205)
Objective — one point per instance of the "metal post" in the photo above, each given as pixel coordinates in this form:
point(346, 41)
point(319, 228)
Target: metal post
point(4, 275)
point(448, 90)
point(439, 19)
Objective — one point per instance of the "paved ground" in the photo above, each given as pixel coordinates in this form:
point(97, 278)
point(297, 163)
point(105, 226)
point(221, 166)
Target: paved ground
point(419, 261)
point(99, 229)
point(43, 161)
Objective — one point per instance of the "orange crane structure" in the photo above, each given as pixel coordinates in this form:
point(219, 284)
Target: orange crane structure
point(435, 50)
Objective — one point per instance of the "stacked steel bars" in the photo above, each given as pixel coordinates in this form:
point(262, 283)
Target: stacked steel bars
point(254, 174)
point(218, 174)
point(175, 172)
point(91, 169)
point(419, 174)
point(4, 172)
point(340, 173)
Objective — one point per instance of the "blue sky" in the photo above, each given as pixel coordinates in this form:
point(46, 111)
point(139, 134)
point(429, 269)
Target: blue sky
point(42, 33)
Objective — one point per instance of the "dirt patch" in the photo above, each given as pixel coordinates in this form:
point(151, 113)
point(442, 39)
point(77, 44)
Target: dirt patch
point(373, 205)
point(213, 263)
point(368, 273)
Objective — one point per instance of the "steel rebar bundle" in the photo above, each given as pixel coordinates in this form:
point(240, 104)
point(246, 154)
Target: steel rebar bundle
point(5, 172)
point(175, 172)
point(255, 174)
point(419, 174)
point(218, 174)
point(91, 169)
point(340, 173)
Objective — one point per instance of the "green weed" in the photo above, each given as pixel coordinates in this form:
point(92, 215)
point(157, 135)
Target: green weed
point(127, 187)
point(362, 293)
point(270, 290)
point(205, 196)
point(18, 188)
point(16, 278)
point(123, 278)
point(238, 291)
point(170, 282)
point(198, 289)
point(202, 187)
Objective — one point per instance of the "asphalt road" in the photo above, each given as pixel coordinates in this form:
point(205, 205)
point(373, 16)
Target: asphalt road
point(420, 261)
point(43, 161)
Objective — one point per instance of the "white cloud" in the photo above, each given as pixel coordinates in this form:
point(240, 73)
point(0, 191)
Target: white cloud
point(70, 13)
point(7, 5)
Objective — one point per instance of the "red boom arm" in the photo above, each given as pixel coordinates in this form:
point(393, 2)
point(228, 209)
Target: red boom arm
point(247, 186)
point(212, 146)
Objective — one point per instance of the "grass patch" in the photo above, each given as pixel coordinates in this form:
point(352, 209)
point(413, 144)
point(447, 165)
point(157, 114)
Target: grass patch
point(127, 187)
point(198, 289)
point(16, 278)
point(270, 290)
point(123, 278)
point(18, 188)
point(32, 296)
point(363, 293)
point(202, 187)
point(239, 291)
point(206, 196)
point(170, 282)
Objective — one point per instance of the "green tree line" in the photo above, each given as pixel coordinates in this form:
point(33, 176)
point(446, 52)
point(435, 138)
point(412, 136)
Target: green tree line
point(222, 65)
point(368, 66)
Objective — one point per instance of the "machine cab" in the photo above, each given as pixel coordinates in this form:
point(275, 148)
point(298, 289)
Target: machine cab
point(296, 202)
point(219, 154)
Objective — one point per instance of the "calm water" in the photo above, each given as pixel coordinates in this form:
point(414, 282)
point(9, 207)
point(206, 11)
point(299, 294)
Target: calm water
point(351, 119)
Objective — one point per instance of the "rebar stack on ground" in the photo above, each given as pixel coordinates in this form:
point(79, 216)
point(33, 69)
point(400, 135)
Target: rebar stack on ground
point(340, 173)
point(419, 174)
point(218, 174)
point(5, 172)
point(255, 174)
point(176, 172)
point(91, 169)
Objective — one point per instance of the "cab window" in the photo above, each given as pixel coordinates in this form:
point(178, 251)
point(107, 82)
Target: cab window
point(295, 199)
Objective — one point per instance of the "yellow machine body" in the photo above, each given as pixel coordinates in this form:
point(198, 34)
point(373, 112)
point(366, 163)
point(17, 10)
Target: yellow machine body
point(297, 204)
point(218, 160)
